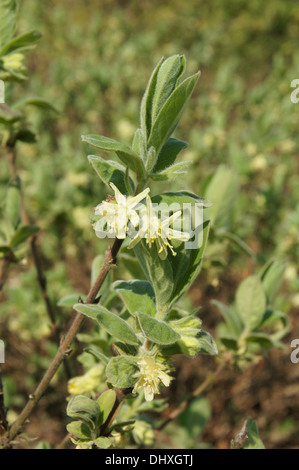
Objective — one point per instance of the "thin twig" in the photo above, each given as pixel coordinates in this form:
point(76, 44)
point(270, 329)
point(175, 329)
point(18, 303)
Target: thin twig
point(42, 282)
point(3, 271)
point(109, 261)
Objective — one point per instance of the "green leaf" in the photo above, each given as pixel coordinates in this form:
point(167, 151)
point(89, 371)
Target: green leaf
point(168, 153)
point(79, 430)
point(206, 343)
point(20, 42)
point(96, 267)
point(187, 263)
point(120, 372)
point(157, 331)
point(146, 102)
point(254, 441)
point(110, 172)
point(37, 102)
point(83, 408)
point(189, 325)
point(102, 442)
point(132, 265)
point(112, 323)
point(139, 144)
point(106, 403)
point(124, 152)
point(158, 272)
point(237, 240)
point(125, 349)
point(22, 234)
point(194, 418)
point(167, 79)
point(272, 319)
point(264, 340)
point(222, 192)
point(272, 279)
point(251, 302)
point(151, 159)
point(13, 204)
point(97, 355)
point(188, 328)
point(137, 296)
point(69, 300)
point(170, 114)
point(191, 346)
point(231, 318)
point(172, 172)
point(191, 338)
point(8, 20)
point(229, 342)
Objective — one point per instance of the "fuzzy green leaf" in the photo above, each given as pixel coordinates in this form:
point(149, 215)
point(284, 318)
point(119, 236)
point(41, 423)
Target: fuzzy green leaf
point(231, 318)
point(158, 272)
point(13, 204)
point(69, 300)
point(102, 442)
point(110, 172)
point(157, 331)
point(172, 172)
point(8, 20)
point(170, 114)
point(187, 264)
point(79, 430)
point(83, 408)
point(106, 402)
point(138, 296)
point(112, 323)
point(254, 441)
point(37, 102)
point(222, 192)
point(272, 279)
point(168, 153)
point(124, 152)
point(206, 343)
point(20, 42)
point(120, 372)
point(167, 79)
point(251, 302)
point(146, 102)
point(22, 234)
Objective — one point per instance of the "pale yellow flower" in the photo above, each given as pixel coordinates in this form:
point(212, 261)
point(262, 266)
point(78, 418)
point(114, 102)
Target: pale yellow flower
point(117, 212)
point(150, 376)
point(158, 231)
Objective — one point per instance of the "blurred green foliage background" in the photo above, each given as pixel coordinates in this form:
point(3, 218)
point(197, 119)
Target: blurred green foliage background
point(93, 63)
